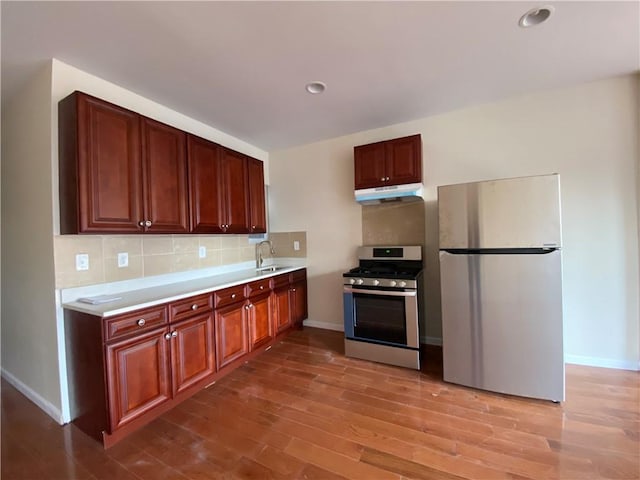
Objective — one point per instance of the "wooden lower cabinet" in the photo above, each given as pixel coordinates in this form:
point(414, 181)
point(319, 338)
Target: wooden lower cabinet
point(298, 302)
point(125, 370)
point(259, 321)
point(138, 376)
point(281, 309)
point(231, 333)
point(192, 351)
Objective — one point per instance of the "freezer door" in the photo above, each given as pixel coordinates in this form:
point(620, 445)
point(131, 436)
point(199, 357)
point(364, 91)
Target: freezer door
point(502, 323)
point(511, 213)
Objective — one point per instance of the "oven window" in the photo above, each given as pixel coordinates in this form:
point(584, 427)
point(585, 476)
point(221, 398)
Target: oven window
point(380, 318)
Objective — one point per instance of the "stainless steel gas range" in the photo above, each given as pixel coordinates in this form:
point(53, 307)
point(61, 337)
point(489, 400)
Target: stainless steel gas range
point(383, 299)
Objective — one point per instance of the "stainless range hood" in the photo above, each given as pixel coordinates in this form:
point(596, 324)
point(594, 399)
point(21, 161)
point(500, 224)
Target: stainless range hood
point(409, 192)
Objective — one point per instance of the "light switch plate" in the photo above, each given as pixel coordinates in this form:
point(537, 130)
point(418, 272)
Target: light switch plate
point(123, 260)
point(82, 261)
point(202, 252)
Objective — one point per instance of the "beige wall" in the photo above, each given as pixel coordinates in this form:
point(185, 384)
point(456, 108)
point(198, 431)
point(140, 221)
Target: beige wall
point(587, 133)
point(29, 336)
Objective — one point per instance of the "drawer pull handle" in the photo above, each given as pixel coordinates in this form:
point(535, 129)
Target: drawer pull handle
point(141, 322)
point(194, 307)
point(233, 295)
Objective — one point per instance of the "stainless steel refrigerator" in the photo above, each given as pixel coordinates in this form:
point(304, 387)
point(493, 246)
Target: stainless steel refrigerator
point(501, 285)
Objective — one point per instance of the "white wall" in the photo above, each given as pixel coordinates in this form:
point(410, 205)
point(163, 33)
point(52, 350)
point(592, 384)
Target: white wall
point(29, 347)
point(587, 133)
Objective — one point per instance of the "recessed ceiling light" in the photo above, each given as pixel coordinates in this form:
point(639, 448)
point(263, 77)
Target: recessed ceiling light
point(316, 87)
point(535, 16)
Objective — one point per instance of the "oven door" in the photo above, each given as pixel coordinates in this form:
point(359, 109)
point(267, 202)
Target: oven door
point(381, 316)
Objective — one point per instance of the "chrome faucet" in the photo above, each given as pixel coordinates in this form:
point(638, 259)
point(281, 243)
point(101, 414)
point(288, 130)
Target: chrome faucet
point(259, 258)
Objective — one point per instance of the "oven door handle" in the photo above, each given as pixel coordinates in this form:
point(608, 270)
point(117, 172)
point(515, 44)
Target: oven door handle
point(386, 293)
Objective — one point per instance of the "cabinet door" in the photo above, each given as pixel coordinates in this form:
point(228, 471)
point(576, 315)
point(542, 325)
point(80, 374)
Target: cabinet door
point(206, 197)
point(281, 309)
point(257, 214)
point(369, 164)
point(164, 170)
point(236, 201)
point(192, 351)
point(138, 376)
point(260, 330)
point(231, 334)
point(298, 302)
point(109, 179)
point(404, 160)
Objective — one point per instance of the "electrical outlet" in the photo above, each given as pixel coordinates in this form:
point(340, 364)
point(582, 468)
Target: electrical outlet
point(296, 245)
point(202, 252)
point(82, 261)
point(123, 260)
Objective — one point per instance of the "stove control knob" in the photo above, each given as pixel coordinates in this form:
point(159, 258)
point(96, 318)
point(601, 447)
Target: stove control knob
point(352, 281)
point(359, 281)
point(403, 284)
point(376, 282)
point(392, 283)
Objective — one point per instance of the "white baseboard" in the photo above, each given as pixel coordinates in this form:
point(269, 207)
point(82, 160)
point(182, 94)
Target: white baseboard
point(48, 408)
point(338, 327)
point(603, 362)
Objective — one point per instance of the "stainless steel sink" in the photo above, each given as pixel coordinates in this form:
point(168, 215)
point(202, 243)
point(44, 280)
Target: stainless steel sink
point(269, 269)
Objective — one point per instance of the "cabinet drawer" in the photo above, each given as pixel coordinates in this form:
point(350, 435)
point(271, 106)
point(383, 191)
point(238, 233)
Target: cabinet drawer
point(280, 280)
point(138, 321)
point(258, 287)
point(298, 275)
point(190, 306)
point(227, 296)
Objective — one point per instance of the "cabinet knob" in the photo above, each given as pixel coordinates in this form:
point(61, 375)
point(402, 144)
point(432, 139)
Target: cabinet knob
point(386, 179)
point(233, 295)
point(261, 287)
point(174, 334)
point(167, 336)
point(246, 307)
point(141, 322)
point(194, 307)
point(293, 289)
point(382, 179)
point(253, 227)
point(147, 223)
point(141, 223)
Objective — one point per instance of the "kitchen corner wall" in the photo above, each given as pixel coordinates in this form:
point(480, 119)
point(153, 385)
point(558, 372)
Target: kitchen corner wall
point(36, 261)
point(588, 133)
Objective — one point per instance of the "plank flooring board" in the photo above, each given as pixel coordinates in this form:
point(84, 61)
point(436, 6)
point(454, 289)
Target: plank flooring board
point(302, 410)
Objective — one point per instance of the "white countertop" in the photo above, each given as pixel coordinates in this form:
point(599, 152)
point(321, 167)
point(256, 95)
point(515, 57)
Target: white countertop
point(147, 297)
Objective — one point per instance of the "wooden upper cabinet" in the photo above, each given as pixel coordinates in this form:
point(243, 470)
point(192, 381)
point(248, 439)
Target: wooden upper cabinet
point(392, 162)
point(121, 172)
point(100, 170)
point(235, 189)
point(369, 162)
point(205, 194)
point(404, 160)
point(257, 206)
point(165, 178)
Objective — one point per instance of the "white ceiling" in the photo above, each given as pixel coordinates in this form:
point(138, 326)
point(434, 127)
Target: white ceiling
point(241, 67)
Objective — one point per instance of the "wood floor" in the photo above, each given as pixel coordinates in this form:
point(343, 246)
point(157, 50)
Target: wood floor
point(303, 410)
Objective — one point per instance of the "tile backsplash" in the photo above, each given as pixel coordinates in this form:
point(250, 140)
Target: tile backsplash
point(156, 254)
point(396, 223)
